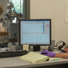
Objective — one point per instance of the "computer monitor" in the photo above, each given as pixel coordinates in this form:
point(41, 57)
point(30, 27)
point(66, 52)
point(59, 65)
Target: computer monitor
point(35, 32)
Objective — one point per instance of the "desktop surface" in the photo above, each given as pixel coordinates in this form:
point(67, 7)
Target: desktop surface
point(15, 62)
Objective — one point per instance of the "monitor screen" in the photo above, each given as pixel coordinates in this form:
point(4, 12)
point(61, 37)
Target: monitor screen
point(35, 32)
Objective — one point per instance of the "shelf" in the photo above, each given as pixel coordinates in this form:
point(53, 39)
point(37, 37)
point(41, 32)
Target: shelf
point(4, 33)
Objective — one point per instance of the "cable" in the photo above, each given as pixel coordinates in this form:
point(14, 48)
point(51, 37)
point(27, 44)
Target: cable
point(60, 44)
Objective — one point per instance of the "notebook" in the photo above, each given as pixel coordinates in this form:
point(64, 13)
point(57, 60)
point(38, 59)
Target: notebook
point(34, 57)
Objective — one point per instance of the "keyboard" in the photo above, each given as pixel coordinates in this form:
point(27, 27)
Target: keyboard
point(12, 53)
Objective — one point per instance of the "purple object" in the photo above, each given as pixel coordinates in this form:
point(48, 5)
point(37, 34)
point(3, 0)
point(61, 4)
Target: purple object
point(48, 53)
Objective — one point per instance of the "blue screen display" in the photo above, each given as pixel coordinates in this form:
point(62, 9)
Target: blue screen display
point(35, 31)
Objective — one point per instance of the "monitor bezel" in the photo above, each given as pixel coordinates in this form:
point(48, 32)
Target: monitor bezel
point(32, 20)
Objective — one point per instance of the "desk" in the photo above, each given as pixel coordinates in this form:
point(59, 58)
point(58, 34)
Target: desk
point(15, 62)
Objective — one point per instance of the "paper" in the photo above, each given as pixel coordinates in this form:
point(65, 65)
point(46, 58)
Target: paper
point(66, 4)
point(66, 17)
point(34, 57)
point(54, 59)
point(66, 12)
point(26, 47)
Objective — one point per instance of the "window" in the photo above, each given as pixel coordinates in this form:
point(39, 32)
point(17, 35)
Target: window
point(22, 6)
point(18, 5)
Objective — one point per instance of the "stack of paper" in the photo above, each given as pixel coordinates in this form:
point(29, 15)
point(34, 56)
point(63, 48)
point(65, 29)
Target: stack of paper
point(34, 57)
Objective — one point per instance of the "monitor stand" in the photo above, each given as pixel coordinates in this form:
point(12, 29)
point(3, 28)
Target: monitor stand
point(36, 47)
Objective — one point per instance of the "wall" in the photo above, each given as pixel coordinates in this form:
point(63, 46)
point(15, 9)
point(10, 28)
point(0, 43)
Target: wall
point(61, 28)
point(42, 9)
point(53, 9)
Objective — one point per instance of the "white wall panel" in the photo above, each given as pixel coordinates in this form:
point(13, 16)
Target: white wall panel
point(43, 9)
point(53, 9)
point(61, 29)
